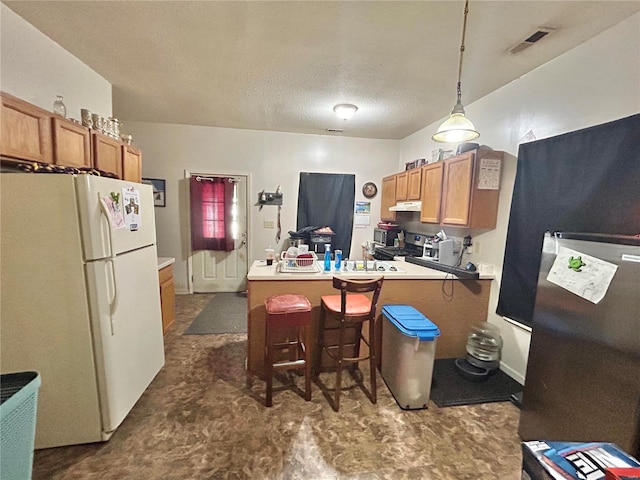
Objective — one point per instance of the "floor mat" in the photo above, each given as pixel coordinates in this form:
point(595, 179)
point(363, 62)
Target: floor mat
point(225, 313)
point(449, 389)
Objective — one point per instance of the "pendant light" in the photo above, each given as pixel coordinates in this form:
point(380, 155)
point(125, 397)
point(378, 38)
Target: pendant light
point(457, 128)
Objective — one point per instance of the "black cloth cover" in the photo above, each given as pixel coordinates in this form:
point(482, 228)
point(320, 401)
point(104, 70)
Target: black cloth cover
point(583, 181)
point(327, 199)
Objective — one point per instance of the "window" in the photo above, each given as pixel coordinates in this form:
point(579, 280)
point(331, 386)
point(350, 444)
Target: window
point(213, 208)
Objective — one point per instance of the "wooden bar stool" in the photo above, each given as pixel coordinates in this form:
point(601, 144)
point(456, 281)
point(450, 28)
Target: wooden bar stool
point(293, 312)
point(355, 305)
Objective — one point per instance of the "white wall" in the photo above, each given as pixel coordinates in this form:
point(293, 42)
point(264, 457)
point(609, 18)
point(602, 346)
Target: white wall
point(36, 69)
point(270, 158)
point(594, 83)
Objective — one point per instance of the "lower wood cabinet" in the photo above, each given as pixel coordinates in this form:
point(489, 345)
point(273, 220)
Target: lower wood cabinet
point(167, 297)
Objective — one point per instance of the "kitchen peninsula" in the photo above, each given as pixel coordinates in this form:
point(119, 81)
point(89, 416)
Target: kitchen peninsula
point(452, 304)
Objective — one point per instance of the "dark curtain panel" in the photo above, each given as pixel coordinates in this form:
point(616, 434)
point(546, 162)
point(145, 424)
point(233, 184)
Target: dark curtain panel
point(327, 199)
point(211, 213)
point(583, 181)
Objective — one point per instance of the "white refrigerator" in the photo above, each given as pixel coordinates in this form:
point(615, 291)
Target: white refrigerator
point(79, 299)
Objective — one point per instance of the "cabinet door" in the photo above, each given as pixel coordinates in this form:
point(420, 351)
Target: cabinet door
point(71, 144)
point(456, 194)
point(167, 297)
point(131, 164)
point(107, 154)
point(401, 186)
point(413, 184)
point(388, 198)
point(431, 192)
point(26, 131)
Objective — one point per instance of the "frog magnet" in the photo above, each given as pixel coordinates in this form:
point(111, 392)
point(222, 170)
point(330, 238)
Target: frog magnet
point(576, 264)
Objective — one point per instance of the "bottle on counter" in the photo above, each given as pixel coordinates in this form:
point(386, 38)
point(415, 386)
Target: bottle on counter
point(338, 256)
point(327, 257)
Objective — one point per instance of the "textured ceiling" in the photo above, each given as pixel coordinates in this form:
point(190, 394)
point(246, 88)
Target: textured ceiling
point(282, 66)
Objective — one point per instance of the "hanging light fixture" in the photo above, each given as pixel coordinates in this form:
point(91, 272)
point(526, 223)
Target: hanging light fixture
point(345, 110)
point(457, 128)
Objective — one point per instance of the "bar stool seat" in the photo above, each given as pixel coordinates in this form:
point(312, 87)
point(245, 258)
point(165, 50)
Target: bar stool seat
point(293, 312)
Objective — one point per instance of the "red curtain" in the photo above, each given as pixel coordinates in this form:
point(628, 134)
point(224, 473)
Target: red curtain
point(211, 213)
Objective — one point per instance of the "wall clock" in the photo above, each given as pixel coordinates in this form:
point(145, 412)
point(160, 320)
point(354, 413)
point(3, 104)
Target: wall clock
point(369, 190)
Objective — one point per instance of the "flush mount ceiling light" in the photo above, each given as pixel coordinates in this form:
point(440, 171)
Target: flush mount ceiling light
point(345, 110)
point(457, 128)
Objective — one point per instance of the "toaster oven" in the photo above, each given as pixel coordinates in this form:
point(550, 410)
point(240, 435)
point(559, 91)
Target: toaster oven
point(384, 237)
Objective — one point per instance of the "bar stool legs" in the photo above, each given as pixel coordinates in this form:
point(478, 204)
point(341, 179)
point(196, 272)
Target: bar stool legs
point(349, 310)
point(291, 312)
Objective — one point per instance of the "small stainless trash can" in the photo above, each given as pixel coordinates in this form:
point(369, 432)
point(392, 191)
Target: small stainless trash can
point(408, 352)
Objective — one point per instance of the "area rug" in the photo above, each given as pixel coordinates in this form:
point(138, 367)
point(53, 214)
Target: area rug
point(225, 313)
point(449, 389)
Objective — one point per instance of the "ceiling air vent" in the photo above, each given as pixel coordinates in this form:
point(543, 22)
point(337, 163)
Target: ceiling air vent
point(335, 130)
point(533, 38)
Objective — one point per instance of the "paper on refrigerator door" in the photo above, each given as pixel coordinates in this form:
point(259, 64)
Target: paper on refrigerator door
point(586, 276)
point(132, 213)
point(113, 211)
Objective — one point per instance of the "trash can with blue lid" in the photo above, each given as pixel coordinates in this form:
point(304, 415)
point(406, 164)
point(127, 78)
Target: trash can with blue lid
point(408, 353)
point(18, 404)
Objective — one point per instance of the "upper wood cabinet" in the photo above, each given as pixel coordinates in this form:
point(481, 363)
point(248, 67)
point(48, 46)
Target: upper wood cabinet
point(456, 193)
point(26, 131)
point(131, 164)
point(402, 183)
point(431, 192)
point(107, 154)
point(71, 144)
point(34, 134)
point(388, 198)
point(414, 178)
point(470, 190)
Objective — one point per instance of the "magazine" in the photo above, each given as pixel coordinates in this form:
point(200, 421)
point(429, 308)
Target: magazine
point(578, 460)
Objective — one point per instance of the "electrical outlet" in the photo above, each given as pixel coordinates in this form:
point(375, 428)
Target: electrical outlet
point(268, 224)
point(476, 247)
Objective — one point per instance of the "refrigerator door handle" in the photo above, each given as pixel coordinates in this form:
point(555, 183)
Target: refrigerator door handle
point(110, 233)
point(114, 302)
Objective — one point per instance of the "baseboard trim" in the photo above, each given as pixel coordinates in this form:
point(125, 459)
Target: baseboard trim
point(512, 373)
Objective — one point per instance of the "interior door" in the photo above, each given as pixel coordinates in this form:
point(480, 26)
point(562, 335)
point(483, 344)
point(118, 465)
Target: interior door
point(218, 271)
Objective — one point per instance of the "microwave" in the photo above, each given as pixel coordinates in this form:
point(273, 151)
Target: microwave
point(384, 237)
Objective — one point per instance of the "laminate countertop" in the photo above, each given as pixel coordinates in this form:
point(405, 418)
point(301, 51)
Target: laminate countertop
point(165, 262)
point(403, 271)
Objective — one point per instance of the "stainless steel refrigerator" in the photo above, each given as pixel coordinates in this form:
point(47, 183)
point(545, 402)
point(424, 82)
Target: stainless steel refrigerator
point(583, 372)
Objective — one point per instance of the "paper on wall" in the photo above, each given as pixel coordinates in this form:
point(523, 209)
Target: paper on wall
point(589, 279)
point(489, 176)
point(362, 214)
